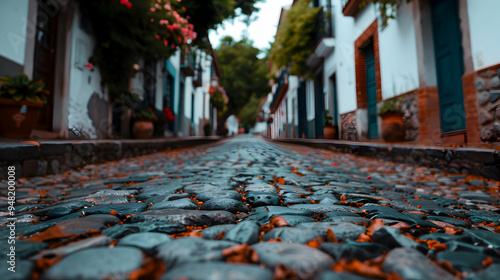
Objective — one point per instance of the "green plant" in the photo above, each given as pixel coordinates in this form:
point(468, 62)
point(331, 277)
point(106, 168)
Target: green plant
point(387, 8)
point(328, 119)
point(207, 129)
point(145, 115)
point(390, 106)
point(21, 88)
point(295, 38)
point(127, 31)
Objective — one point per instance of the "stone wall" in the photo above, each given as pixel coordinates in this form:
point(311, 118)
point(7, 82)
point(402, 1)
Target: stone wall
point(487, 84)
point(409, 106)
point(348, 127)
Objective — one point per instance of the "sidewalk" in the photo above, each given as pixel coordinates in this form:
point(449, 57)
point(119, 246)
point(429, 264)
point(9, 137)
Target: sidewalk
point(478, 161)
point(44, 157)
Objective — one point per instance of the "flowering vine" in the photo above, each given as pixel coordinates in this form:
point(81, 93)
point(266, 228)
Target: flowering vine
point(127, 31)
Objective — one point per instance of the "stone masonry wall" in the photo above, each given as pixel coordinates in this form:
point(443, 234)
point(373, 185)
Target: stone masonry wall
point(488, 98)
point(348, 126)
point(409, 107)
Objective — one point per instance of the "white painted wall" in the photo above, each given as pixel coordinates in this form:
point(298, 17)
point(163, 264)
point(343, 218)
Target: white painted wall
point(82, 82)
point(341, 61)
point(13, 29)
point(485, 37)
point(232, 124)
point(398, 54)
point(310, 101)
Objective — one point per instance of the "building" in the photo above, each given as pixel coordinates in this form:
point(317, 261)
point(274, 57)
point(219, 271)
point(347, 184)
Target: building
point(437, 55)
point(50, 40)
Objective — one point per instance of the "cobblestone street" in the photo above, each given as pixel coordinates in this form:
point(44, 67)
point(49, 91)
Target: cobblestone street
point(245, 208)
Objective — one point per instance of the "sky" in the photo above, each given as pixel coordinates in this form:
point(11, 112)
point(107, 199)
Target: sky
point(260, 31)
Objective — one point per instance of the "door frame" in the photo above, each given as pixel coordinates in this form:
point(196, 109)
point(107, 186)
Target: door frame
point(369, 35)
point(458, 95)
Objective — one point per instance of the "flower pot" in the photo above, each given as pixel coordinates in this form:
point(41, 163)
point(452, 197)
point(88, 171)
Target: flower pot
point(393, 127)
point(330, 131)
point(18, 118)
point(142, 129)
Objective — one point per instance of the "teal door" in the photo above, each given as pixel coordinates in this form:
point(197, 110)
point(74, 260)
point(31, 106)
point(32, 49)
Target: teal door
point(449, 63)
point(371, 92)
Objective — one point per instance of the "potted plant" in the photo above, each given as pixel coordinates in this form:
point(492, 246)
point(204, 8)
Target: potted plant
point(393, 125)
point(329, 130)
point(143, 127)
point(162, 119)
point(21, 101)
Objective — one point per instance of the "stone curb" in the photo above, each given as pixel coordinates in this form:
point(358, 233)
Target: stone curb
point(475, 161)
point(38, 158)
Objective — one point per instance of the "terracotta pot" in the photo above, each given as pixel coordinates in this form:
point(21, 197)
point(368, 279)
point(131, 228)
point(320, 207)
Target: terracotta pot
point(18, 118)
point(330, 131)
point(393, 127)
point(143, 129)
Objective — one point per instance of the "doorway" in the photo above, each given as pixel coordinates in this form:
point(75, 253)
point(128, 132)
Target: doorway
point(45, 60)
point(371, 91)
point(449, 64)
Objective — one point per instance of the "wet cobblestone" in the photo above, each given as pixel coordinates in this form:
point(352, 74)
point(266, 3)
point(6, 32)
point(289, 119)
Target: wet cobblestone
point(249, 209)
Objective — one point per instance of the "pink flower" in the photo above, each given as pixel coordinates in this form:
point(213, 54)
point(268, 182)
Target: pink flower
point(170, 27)
point(175, 26)
point(167, 7)
point(152, 9)
point(165, 42)
point(164, 21)
point(184, 31)
point(89, 65)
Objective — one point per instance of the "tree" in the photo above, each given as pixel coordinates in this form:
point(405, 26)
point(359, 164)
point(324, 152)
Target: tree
point(208, 14)
point(295, 38)
point(243, 76)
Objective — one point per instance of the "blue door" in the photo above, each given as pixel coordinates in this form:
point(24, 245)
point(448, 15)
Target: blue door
point(371, 92)
point(449, 64)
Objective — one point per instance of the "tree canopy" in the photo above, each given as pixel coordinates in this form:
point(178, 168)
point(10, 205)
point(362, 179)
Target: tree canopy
point(243, 77)
point(208, 14)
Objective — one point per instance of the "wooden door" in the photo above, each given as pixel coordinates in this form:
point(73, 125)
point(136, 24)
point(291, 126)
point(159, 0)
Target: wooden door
point(45, 59)
point(449, 64)
point(371, 92)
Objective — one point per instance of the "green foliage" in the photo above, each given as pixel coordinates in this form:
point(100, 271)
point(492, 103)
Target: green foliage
point(21, 88)
point(217, 99)
point(209, 14)
point(145, 115)
point(244, 74)
point(387, 8)
point(127, 33)
point(294, 40)
point(328, 119)
point(248, 113)
point(391, 106)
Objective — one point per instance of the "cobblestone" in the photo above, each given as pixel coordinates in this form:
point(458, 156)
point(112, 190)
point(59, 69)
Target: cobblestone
point(249, 209)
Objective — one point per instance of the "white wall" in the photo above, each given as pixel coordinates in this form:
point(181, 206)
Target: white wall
point(13, 29)
point(484, 21)
point(342, 60)
point(398, 54)
point(83, 82)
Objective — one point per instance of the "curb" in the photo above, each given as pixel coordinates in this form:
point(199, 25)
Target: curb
point(474, 161)
point(39, 158)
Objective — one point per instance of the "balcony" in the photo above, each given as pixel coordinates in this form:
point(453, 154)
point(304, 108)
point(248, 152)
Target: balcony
point(351, 7)
point(197, 80)
point(324, 28)
point(188, 64)
point(323, 38)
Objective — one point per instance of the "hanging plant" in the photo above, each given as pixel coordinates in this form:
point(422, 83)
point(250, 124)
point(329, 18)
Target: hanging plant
point(129, 30)
point(295, 38)
point(218, 97)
